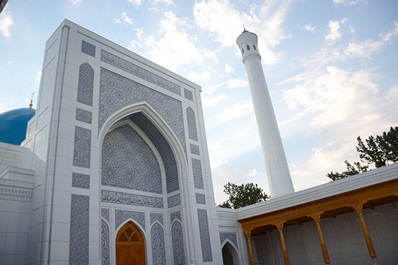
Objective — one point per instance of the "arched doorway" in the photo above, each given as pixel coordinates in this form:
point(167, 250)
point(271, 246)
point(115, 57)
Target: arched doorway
point(229, 255)
point(130, 246)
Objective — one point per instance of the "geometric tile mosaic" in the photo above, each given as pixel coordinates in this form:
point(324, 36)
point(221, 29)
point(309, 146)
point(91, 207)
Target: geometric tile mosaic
point(131, 199)
point(79, 230)
point(105, 214)
point(88, 48)
point(83, 115)
point(200, 198)
point(86, 84)
point(105, 258)
point(231, 237)
point(139, 72)
point(204, 236)
point(80, 181)
point(193, 134)
point(178, 243)
point(188, 94)
point(175, 216)
point(82, 147)
point(128, 162)
point(162, 146)
point(117, 92)
point(156, 217)
point(121, 216)
point(173, 201)
point(194, 149)
point(158, 246)
point(197, 173)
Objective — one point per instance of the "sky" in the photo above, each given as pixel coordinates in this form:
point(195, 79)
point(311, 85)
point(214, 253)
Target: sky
point(330, 66)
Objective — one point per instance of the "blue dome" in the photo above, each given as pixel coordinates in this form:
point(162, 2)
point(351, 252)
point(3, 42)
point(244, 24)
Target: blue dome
point(13, 125)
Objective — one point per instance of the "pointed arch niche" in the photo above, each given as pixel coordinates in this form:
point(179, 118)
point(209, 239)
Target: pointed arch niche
point(229, 254)
point(135, 152)
point(130, 245)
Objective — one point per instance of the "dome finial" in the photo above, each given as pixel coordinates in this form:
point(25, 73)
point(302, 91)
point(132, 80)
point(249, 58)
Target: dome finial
point(31, 100)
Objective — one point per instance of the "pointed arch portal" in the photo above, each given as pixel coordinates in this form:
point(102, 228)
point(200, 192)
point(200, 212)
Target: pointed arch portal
point(130, 245)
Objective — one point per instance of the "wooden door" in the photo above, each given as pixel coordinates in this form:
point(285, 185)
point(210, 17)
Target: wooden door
point(130, 246)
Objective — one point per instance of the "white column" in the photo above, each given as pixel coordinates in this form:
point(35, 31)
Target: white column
point(275, 159)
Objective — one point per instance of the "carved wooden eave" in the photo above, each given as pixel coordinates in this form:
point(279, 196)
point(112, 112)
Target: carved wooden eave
point(366, 190)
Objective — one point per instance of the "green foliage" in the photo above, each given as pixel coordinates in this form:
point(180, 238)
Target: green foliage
point(380, 151)
point(242, 195)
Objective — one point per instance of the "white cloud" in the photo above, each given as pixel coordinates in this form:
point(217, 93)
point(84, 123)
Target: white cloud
point(124, 19)
point(167, 2)
point(236, 111)
point(391, 33)
point(309, 27)
point(334, 32)
point(228, 69)
point(75, 2)
point(6, 21)
point(135, 2)
point(346, 2)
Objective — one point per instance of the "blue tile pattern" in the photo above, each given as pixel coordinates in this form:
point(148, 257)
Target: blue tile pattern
point(131, 199)
point(139, 72)
point(80, 181)
point(88, 48)
point(204, 236)
point(194, 149)
point(169, 162)
point(156, 217)
point(232, 238)
point(79, 230)
point(105, 258)
point(128, 162)
point(158, 246)
point(82, 147)
point(200, 198)
point(85, 85)
point(173, 201)
point(175, 216)
point(83, 115)
point(188, 94)
point(197, 173)
point(178, 243)
point(105, 214)
point(117, 92)
point(121, 216)
point(192, 131)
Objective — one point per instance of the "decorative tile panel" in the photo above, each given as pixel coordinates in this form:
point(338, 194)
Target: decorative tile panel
point(197, 173)
point(80, 181)
point(175, 216)
point(105, 214)
point(192, 131)
point(204, 236)
point(105, 258)
point(131, 199)
point(178, 243)
point(200, 198)
point(188, 94)
point(169, 162)
point(121, 216)
point(194, 149)
point(86, 84)
point(117, 92)
point(88, 48)
point(158, 246)
point(128, 162)
point(156, 217)
point(82, 147)
point(231, 237)
point(15, 194)
point(173, 201)
point(139, 72)
point(79, 230)
point(83, 115)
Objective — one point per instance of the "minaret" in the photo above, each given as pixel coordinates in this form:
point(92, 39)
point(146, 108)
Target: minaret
point(279, 179)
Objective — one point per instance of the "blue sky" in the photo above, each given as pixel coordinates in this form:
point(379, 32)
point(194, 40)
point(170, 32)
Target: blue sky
point(331, 68)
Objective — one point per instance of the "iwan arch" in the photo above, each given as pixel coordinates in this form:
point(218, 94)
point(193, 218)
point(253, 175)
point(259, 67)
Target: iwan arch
point(115, 170)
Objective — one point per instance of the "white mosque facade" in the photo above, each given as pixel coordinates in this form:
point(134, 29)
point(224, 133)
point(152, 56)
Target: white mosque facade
point(115, 170)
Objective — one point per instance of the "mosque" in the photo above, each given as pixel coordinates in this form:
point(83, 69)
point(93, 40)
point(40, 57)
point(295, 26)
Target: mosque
point(112, 168)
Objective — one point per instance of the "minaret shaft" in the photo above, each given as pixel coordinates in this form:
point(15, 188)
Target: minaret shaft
point(274, 155)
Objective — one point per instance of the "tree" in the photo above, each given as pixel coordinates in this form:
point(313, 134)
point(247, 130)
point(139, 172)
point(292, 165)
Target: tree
point(380, 151)
point(242, 195)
